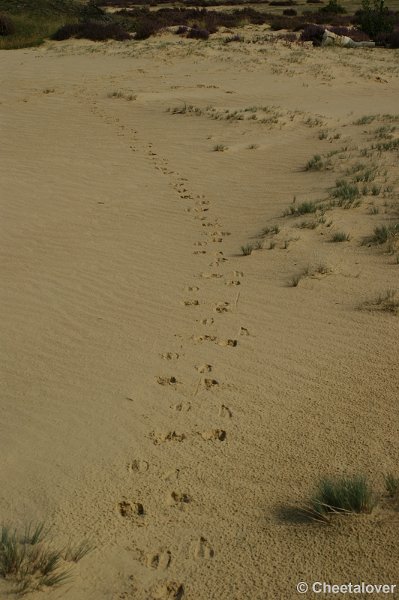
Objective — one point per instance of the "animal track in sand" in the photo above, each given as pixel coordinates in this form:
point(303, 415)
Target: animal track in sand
point(169, 436)
point(191, 303)
point(178, 499)
point(200, 243)
point(228, 342)
point(138, 466)
point(211, 275)
point(209, 321)
point(225, 411)
point(168, 590)
point(130, 510)
point(161, 560)
point(222, 307)
point(199, 252)
point(167, 380)
point(181, 406)
point(233, 282)
point(210, 383)
point(170, 355)
point(204, 368)
point(244, 331)
point(192, 288)
point(204, 338)
point(201, 549)
point(214, 434)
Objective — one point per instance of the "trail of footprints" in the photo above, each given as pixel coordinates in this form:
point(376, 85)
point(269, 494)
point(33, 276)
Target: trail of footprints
point(208, 247)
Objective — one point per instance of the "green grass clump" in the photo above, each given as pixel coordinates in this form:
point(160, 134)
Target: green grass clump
point(366, 120)
point(247, 249)
point(314, 164)
point(387, 301)
point(303, 208)
point(382, 234)
point(340, 236)
point(32, 30)
point(392, 485)
point(345, 192)
point(343, 495)
point(30, 563)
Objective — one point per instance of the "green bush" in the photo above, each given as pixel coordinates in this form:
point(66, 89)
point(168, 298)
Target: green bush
point(333, 8)
point(375, 18)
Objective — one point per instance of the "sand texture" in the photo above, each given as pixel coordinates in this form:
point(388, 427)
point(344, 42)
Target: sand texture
point(162, 394)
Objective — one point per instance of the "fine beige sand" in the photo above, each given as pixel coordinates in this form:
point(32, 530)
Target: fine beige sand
point(163, 395)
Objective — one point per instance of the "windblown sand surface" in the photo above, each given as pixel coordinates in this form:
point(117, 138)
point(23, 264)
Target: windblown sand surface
point(145, 361)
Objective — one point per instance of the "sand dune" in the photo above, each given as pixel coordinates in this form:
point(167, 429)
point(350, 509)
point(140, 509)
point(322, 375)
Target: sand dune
point(163, 394)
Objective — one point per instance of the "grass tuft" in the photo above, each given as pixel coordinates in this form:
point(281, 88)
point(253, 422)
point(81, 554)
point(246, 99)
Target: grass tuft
point(247, 249)
point(343, 495)
point(340, 236)
point(392, 485)
point(387, 301)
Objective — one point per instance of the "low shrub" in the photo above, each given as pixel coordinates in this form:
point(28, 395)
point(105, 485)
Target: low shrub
point(92, 30)
point(197, 33)
point(290, 12)
point(375, 18)
point(333, 8)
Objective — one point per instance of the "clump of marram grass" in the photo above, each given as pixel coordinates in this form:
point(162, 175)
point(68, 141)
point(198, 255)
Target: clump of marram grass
point(247, 249)
point(303, 208)
point(392, 485)
point(343, 495)
point(219, 148)
point(387, 301)
point(345, 192)
point(383, 234)
point(340, 236)
point(29, 561)
point(314, 164)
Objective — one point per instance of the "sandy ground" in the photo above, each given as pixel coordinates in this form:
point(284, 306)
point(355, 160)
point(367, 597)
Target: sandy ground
point(162, 394)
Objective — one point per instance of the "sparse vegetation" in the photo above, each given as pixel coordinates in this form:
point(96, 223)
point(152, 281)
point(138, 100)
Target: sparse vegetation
point(247, 249)
point(343, 495)
point(301, 209)
point(345, 193)
point(219, 148)
point(387, 301)
point(30, 562)
point(340, 236)
point(382, 234)
point(392, 485)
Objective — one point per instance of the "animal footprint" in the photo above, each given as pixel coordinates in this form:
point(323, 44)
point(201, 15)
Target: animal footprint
point(178, 499)
point(204, 368)
point(167, 380)
point(170, 436)
point(222, 307)
point(228, 342)
point(192, 288)
point(207, 321)
point(191, 302)
point(128, 510)
point(244, 331)
point(182, 406)
point(168, 590)
point(211, 275)
point(204, 338)
point(224, 411)
point(233, 282)
point(161, 560)
point(138, 466)
point(170, 356)
point(210, 383)
point(214, 434)
point(201, 549)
